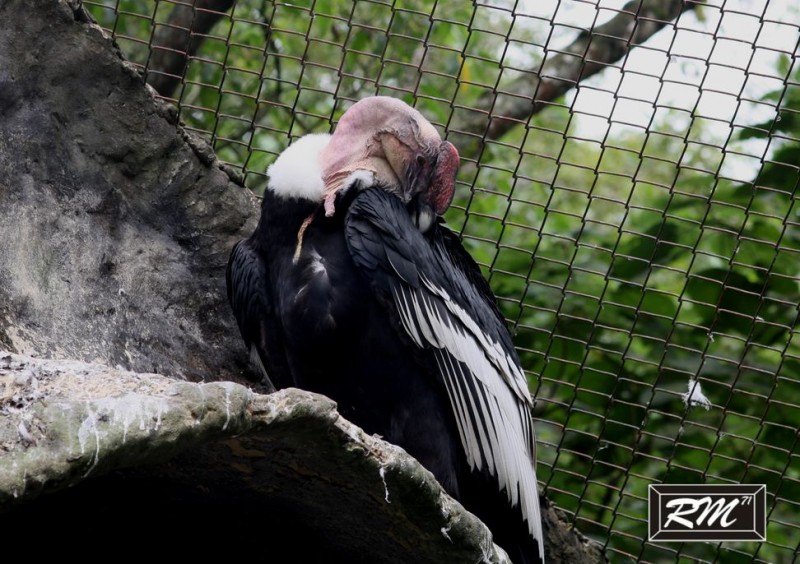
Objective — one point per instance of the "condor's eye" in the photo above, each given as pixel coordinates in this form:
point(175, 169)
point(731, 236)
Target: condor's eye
point(421, 160)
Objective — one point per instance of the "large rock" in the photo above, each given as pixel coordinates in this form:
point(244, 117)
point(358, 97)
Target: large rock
point(114, 230)
point(281, 462)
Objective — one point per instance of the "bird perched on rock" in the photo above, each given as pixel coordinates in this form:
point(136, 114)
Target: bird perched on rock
point(352, 286)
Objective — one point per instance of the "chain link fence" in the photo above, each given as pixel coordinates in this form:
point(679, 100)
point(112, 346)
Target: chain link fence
point(629, 184)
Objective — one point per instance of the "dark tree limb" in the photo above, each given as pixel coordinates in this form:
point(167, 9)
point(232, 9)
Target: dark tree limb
point(180, 38)
point(591, 52)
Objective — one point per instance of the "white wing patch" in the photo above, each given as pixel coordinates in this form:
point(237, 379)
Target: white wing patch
point(487, 390)
point(296, 173)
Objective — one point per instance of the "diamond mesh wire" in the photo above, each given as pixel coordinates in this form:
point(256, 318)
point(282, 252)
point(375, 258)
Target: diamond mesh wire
point(629, 184)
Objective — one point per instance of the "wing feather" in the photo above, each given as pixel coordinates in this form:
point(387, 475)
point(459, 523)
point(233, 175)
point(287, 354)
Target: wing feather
point(247, 286)
point(444, 305)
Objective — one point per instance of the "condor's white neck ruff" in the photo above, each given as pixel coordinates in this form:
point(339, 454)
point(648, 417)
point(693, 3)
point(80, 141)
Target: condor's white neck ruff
point(297, 172)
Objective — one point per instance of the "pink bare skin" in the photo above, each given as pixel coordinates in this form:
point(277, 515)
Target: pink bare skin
point(392, 140)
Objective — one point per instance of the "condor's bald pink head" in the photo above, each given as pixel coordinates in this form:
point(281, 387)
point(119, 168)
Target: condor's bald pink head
point(385, 140)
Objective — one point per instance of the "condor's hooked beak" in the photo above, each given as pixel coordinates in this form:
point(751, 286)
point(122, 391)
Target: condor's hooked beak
point(431, 184)
point(442, 186)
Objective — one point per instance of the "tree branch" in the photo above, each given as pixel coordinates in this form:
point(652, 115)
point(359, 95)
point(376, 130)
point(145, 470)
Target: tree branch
point(180, 38)
point(591, 52)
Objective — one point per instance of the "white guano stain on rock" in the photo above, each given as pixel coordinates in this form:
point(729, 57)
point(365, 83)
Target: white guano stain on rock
point(89, 428)
point(106, 417)
point(229, 388)
point(227, 408)
point(382, 473)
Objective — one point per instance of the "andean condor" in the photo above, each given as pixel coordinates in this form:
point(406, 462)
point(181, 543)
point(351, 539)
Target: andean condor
point(352, 286)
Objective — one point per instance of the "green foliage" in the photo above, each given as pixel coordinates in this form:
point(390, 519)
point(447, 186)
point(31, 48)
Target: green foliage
point(625, 265)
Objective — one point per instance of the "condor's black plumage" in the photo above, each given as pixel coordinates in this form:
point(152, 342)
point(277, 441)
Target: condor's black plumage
point(350, 287)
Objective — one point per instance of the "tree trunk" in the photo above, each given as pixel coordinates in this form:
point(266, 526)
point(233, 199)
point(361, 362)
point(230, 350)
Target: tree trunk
point(592, 51)
point(180, 38)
